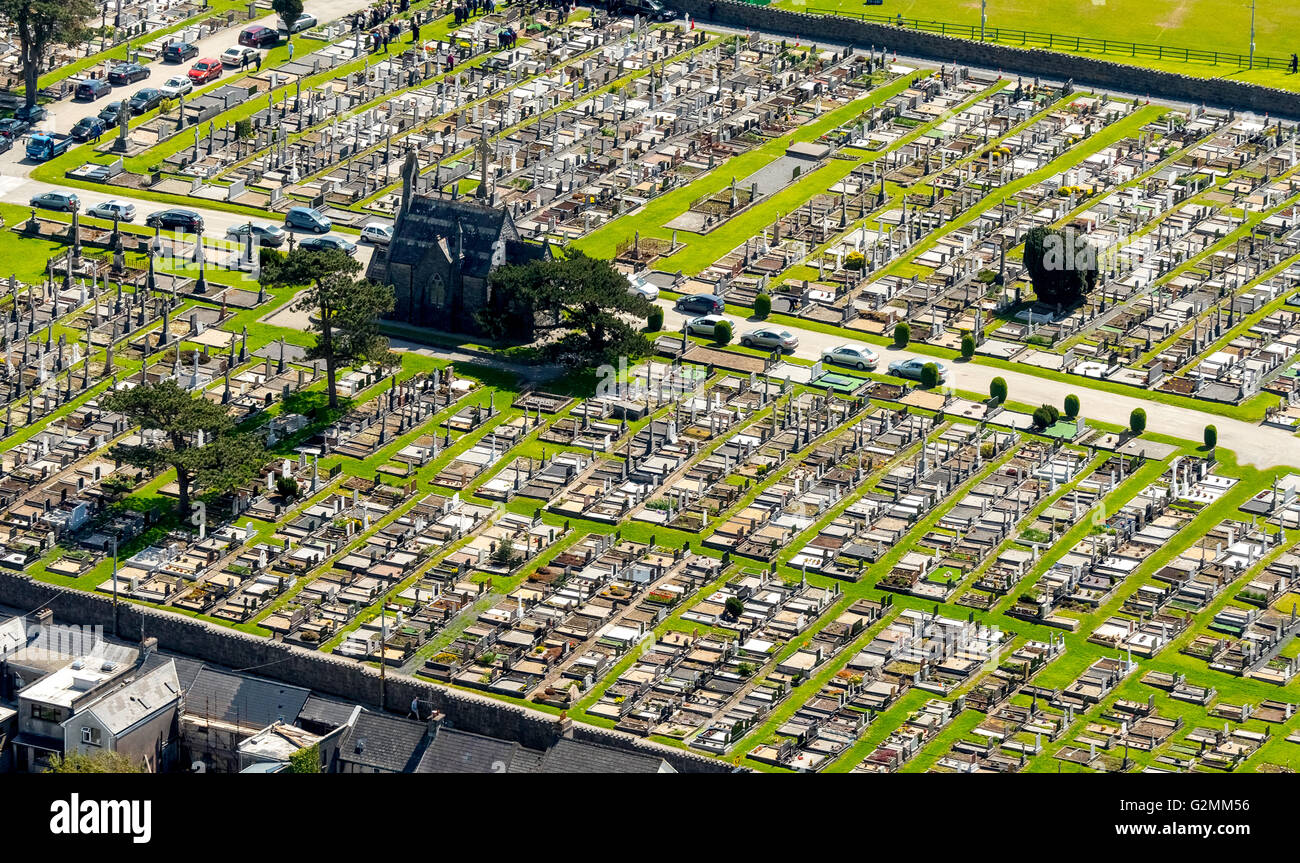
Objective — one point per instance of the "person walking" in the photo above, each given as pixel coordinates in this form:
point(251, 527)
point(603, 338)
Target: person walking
point(290, 48)
point(415, 32)
point(259, 61)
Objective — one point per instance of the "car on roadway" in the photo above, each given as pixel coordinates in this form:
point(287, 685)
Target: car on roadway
point(328, 244)
point(258, 36)
point(641, 287)
point(111, 113)
point(31, 114)
point(264, 233)
point(651, 10)
point(911, 369)
point(207, 69)
point(859, 357)
point(306, 219)
point(700, 304)
point(12, 127)
point(770, 338)
point(90, 89)
point(87, 129)
point(176, 218)
point(179, 52)
point(145, 100)
point(176, 86)
point(238, 55)
point(705, 325)
point(127, 73)
point(304, 21)
point(377, 234)
point(123, 211)
point(62, 201)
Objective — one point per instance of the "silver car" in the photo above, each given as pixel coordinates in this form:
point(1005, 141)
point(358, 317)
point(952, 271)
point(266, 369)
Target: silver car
point(704, 325)
point(765, 337)
point(858, 357)
point(120, 210)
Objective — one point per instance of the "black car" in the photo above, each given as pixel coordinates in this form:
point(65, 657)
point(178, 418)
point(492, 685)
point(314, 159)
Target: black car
point(700, 304)
point(87, 128)
point(146, 100)
point(651, 9)
point(127, 73)
point(30, 114)
point(112, 113)
point(91, 89)
point(176, 219)
point(179, 52)
point(12, 127)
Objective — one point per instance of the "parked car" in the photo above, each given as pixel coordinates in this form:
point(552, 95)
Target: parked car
point(377, 234)
point(857, 356)
point(145, 100)
point(237, 56)
point(306, 219)
point(207, 69)
point(176, 86)
point(257, 36)
point(328, 244)
point(12, 127)
point(31, 114)
point(179, 52)
point(651, 9)
point(772, 339)
point(111, 113)
point(704, 325)
point(123, 211)
point(911, 369)
point(127, 73)
point(87, 129)
point(264, 233)
point(176, 219)
point(647, 289)
point(305, 21)
point(62, 201)
point(90, 89)
point(700, 304)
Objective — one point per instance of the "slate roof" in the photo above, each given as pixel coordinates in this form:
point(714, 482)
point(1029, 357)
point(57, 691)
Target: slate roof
point(436, 221)
point(138, 700)
point(325, 712)
point(386, 743)
point(224, 696)
point(571, 756)
point(454, 751)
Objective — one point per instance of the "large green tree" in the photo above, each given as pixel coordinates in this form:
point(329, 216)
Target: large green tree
point(581, 307)
point(1061, 264)
point(40, 25)
point(199, 439)
point(288, 10)
point(98, 762)
point(344, 310)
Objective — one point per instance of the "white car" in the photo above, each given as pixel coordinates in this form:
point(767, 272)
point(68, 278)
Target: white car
point(858, 357)
point(704, 325)
point(120, 210)
point(377, 234)
point(638, 285)
point(176, 86)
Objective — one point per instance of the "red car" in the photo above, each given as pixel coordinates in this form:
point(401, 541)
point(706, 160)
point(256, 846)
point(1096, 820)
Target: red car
point(208, 69)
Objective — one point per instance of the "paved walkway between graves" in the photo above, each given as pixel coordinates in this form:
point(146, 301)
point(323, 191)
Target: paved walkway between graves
point(1261, 446)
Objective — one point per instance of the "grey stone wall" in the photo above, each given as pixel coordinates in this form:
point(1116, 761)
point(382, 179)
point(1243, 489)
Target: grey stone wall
point(1092, 73)
point(322, 672)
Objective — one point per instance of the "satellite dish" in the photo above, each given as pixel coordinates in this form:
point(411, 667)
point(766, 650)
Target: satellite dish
point(198, 767)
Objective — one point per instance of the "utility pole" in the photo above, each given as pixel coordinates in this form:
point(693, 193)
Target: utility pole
point(115, 587)
point(1252, 34)
point(383, 626)
point(984, 16)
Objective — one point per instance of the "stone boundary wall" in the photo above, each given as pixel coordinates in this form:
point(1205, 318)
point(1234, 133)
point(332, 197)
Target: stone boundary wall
point(325, 673)
point(1089, 72)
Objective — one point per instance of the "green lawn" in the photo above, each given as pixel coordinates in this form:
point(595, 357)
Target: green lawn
point(1199, 24)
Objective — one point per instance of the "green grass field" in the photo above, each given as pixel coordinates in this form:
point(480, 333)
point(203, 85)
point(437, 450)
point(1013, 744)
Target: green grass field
point(1212, 25)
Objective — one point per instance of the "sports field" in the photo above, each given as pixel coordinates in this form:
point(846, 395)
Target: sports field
point(1212, 25)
